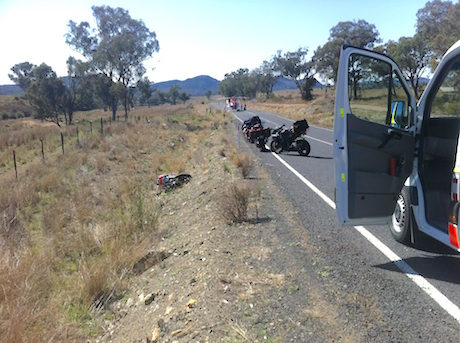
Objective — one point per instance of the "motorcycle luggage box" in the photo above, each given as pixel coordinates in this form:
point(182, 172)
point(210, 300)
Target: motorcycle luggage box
point(300, 126)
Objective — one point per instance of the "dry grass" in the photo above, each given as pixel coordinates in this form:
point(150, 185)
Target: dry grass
point(72, 226)
point(319, 111)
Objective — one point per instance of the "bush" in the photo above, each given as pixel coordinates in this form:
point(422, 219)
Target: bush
point(244, 163)
point(234, 203)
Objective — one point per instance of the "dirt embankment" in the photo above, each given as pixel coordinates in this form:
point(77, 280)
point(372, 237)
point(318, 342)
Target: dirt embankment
point(210, 281)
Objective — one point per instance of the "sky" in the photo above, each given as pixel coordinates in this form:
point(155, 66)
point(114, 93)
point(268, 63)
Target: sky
point(199, 37)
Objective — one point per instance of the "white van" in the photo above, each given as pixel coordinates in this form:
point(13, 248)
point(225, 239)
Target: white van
point(395, 159)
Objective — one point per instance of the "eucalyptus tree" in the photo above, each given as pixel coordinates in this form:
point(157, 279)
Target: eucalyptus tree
point(145, 89)
point(296, 67)
point(266, 77)
point(437, 24)
point(359, 33)
point(413, 56)
point(22, 74)
point(116, 48)
point(77, 93)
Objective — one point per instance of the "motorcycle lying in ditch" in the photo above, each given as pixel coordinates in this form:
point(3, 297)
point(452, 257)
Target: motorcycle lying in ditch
point(170, 181)
point(284, 139)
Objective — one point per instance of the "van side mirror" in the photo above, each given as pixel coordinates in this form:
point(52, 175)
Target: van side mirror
point(398, 115)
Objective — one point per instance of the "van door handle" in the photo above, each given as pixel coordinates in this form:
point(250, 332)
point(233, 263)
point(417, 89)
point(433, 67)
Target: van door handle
point(390, 135)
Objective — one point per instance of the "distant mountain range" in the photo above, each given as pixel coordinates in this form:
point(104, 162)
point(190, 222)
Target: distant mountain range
point(196, 86)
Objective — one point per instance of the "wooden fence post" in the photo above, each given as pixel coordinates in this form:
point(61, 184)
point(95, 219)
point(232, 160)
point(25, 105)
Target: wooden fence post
point(78, 139)
point(102, 127)
point(91, 126)
point(15, 166)
point(62, 142)
point(43, 150)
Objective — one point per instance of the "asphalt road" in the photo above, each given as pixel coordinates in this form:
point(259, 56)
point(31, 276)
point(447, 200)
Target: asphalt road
point(415, 297)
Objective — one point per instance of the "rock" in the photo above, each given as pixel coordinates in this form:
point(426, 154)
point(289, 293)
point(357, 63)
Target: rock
point(155, 334)
point(129, 302)
point(149, 299)
point(191, 303)
point(179, 333)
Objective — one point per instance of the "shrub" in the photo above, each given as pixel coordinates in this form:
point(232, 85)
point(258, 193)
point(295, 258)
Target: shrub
point(234, 203)
point(244, 163)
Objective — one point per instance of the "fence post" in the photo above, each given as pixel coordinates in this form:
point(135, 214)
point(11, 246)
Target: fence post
point(15, 166)
point(43, 150)
point(91, 126)
point(102, 127)
point(62, 142)
point(78, 139)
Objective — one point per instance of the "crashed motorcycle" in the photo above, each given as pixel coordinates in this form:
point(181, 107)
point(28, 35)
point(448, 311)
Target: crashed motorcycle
point(284, 139)
point(170, 181)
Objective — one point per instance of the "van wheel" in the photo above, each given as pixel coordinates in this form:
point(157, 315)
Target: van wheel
point(400, 220)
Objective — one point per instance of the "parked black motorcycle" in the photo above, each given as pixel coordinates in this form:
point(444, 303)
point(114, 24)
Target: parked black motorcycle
point(284, 139)
point(255, 132)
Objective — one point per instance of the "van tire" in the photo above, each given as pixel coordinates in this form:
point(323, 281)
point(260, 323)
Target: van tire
point(400, 220)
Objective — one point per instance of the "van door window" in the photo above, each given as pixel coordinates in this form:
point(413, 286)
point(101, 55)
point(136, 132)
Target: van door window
point(446, 102)
point(376, 93)
point(440, 136)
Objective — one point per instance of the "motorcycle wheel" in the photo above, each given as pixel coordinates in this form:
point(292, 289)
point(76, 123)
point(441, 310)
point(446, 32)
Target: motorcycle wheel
point(303, 147)
point(182, 178)
point(275, 146)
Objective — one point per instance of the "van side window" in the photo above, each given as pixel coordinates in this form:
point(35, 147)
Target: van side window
point(375, 92)
point(446, 102)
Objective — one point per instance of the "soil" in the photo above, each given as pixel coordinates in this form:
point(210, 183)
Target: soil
point(208, 280)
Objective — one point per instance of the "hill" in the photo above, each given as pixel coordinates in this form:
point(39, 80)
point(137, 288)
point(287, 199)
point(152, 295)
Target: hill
point(287, 84)
point(199, 85)
point(10, 90)
point(196, 86)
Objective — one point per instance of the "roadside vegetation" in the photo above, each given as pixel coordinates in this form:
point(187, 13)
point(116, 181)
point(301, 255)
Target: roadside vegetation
point(74, 224)
point(78, 202)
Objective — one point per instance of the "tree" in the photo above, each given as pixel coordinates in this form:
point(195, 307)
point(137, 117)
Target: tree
point(76, 94)
point(174, 93)
point(294, 66)
point(232, 84)
point(22, 74)
point(43, 89)
point(184, 97)
point(413, 56)
point(117, 48)
point(437, 24)
point(45, 93)
point(208, 94)
point(266, 77)
point(359, 33)
point(145, 88)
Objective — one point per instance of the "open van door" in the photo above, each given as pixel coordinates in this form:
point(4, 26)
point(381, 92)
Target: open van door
point(373, 136)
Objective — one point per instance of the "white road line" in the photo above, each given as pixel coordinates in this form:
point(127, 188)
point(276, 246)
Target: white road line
point(418, 279)
point(319, 140)
point(305, 181)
